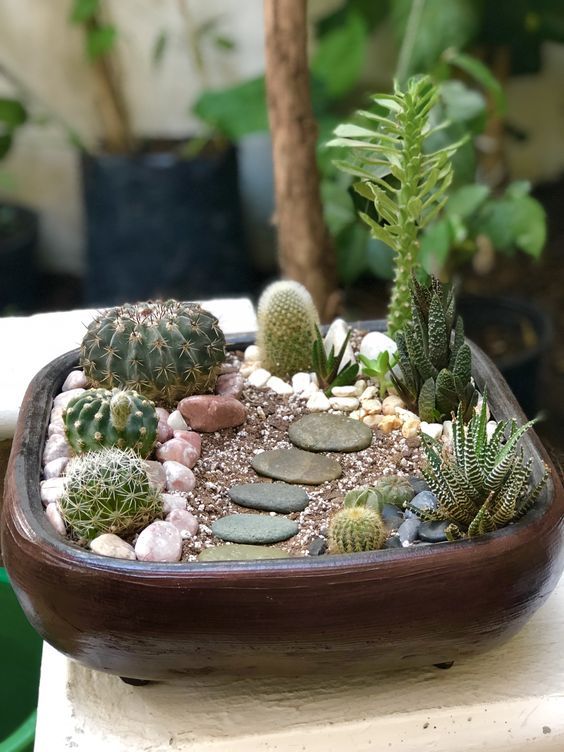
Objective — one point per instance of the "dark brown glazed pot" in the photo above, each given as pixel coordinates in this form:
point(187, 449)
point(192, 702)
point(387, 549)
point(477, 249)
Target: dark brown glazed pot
point(390, 608)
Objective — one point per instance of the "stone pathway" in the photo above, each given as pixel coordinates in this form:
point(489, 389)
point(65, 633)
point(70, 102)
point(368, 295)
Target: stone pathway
point(242, 552)
point(254, 528)
point(281, 498)
point(319, 432)
point(296, 466)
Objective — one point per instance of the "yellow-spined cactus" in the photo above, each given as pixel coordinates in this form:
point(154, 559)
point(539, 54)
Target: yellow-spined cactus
point(356, 529)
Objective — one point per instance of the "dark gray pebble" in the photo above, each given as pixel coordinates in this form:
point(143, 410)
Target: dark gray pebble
point(408, 530)
point(426, 501)
point(433, 532)
point(392, 516)
point(317, 547)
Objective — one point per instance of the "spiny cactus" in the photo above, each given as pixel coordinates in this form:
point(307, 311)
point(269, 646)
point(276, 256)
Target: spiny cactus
point(394, 489)
point(101, 418)
point(484, 484)
point(108, 492)
point(436, 367)
point(286, 328)
point(356, 529)
point(163, 350)
point(392, 145)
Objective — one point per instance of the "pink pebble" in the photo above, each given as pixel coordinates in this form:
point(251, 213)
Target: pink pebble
point(55, 468)
point(63, 399)
point(172, 501)
point(184, 522)
point(54, 517)
point(75, 380)
point(192, 437)
point(51, 490)
point(211, 412)
point(160, 541)
point(179, 451)
point(230, 384)
point(56, 427)
point(162, 414)
point(156, 473)
point(178, 477)
point(164, 432)
point(55, 447)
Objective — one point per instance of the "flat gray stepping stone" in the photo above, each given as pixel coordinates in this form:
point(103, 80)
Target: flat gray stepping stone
point(254, 528)
point(321, 432)
point(242, 552)
point(296, 466)
point(270, 497)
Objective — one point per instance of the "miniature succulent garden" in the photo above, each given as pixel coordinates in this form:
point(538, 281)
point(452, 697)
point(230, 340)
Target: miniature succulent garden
point(166, 446)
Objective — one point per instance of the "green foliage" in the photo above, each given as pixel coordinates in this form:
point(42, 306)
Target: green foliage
point(486, 483)
point(287, 318)
point(100, 38)
point(100, 418)
point(108, 492)
point(436, 368)
point(328, 366)
point(363, 497)
point(406, 185)
point(379, 368)
point(163, 350)
point(356, 529)
point(393, 489)
point(13, 115)
point(237, 111)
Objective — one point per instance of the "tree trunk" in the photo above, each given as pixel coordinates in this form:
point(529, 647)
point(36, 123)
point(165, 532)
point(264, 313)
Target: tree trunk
point(305, 250)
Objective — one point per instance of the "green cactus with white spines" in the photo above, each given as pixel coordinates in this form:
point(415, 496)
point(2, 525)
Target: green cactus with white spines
point(163, 350)
point(356, 529)
point(287, 318)
point(108, 492)
point(101, 418)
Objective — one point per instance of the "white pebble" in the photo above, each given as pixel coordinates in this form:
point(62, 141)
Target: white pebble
point(259, 377)
point(248, 368)
point(375, 343)
point(56, 427)
point(279, 385)
point(51, 490)
point(391, 403)
point(372, 406)
point(344, 391)
point(54, 516)
point(371, 392)
point(109, 544)
point(478, 408)
point(63, 399)
point(310, 389)
point(404, 414)
point(359, 387)
point(56, 446)
point(160, 541)
point(410, 428)
point(447, 436)
point(434, 430)
point(75, 380)
point(336, 335)
point(156, 474)
point(171, 502)
point(184, 522)
point(300, 381)
point(176, 421)
point(252, 354)
point(55, 468)
point(344, 404)
point(491, 425)
point(318, 402)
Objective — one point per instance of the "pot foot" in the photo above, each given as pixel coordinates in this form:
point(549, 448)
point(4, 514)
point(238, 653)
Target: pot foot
point(445, 665)
point(135, 682)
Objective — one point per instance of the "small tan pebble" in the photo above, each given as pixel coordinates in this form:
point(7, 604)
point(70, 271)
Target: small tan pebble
point(410, 428)
point(359, 387)
point(372, 406)
point(54, 516)
point(55, 468)
point(51, 490)
point(491, 425)
point(344, 404)
point(252, 354)
point(404, 414)
point(248, 368)
point(300, 381)
point(391, 403)
point(75, 380)
point(344, 391)
point(63, 399)
point(109, 544)
point(355, 415)
point(318, 402)
point(259, 377)
point(384, 423)
point(176, 421)
point(279, 386)
point(434, 430)
point(371, 392)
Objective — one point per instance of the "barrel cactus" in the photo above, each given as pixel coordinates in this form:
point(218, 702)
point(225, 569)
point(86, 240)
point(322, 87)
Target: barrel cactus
point(163, 350)
point(356, 529)
point(101, 418)
point(394, 489)
point(287, 318)
point(108, 492)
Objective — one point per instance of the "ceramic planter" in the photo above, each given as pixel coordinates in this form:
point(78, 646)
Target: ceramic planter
point(389, 608)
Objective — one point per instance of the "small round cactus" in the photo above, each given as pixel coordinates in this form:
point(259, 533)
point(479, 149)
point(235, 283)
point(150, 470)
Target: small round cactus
point(163, 350)
point(101, 418)
point(363, 497)
point(356, 529)
point(108, 492)
point(286, 328)
point(394, 489)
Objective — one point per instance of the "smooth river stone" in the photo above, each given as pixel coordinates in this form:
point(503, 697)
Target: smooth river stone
point(318, 432)
point(270, 497)
point(296, 466)
point(242, 552)
point(254, 528)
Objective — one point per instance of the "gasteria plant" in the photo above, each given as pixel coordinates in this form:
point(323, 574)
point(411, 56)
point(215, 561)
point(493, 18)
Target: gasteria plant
point(485, 483)
point(436, 366)
point(406, 184)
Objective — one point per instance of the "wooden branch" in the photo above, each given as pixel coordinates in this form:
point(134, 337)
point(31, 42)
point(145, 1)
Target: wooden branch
point(305, 249)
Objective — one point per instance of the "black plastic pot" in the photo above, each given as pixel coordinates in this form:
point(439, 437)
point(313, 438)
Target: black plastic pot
point(516, 320)
point(18, 272)
point(159, 225)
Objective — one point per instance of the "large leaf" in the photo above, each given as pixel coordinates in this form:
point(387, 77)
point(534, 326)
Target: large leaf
point(380, 259)
point(340, 55)
point(99, 41)
point(466, 200)
point(237, 111)
point(12, 113)
point(462, 104)
point(480, 73)
point(514, 223)
point(434, 246)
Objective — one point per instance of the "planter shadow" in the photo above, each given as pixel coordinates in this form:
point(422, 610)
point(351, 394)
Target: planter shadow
point(380, 609)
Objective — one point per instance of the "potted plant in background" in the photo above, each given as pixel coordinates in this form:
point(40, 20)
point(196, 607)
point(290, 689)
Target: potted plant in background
point(162, 216)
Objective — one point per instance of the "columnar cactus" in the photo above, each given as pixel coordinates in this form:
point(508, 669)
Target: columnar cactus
point(101, 418)
point(287, 318)
point(356, 529)
point(108, 492)
point(163, 350)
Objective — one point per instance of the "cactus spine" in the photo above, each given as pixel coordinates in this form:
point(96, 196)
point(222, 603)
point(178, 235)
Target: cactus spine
point(287, 318)
point(163, 350)
point(356, 529)
point(108, 492)
point(101, 418)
